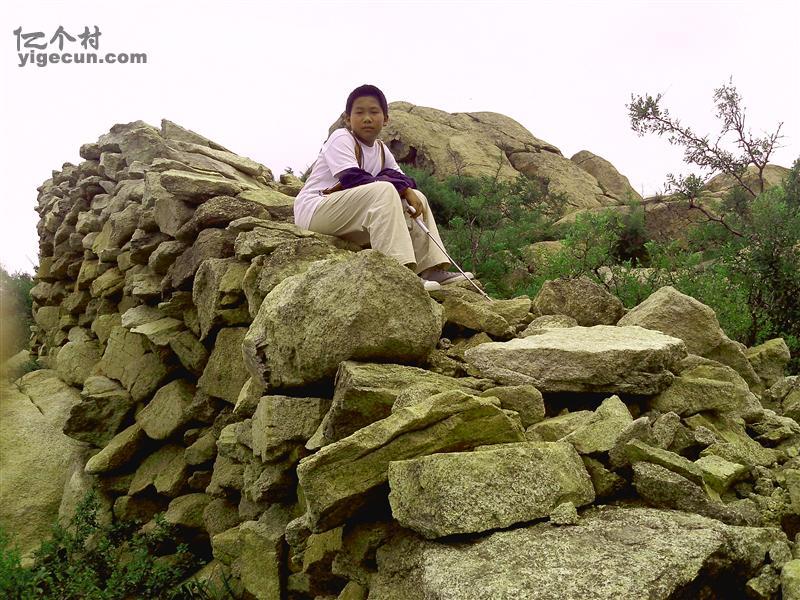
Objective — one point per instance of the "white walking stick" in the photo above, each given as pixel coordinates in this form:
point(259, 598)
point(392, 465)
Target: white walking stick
point(418, 220)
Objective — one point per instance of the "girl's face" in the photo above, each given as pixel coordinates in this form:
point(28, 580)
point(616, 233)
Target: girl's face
point(366, 119)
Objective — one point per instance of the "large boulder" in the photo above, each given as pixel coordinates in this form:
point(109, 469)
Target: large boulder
point(671, 312)
point(485, 143)
point(76, 360)
point(611, 181)
point(583, 359)
point(491, 488)
point(366, 307)
point(707, 387)
point(36, 458)
point(612, 553)
point(347, 475)
point(769, 360)
point(582, 299)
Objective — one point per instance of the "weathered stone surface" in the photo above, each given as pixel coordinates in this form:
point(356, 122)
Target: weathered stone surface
point(484, 143)
point(105, 406)
point(164, 255)
point(663, 488)
point(202, 450)
point(108, 284)
point(160, 332)
point(366, 392)
point(524, 399)
point(290, 258)
point(227, 475)
point(784, 397)
point(769, 360)
point(260, 558)
point(218, 212)
point(494, 487)
point(545, 322)
point(127, 360)
point(606, 483)
point(580, 189)
point(36, 459)
point(715, 388)
point(732, 442)
point(279, 420)
point(225, 372)
point(196, 188)
point(140, 315)
point(165, 470)
point(555, 428)
point(638, 451)
point(582, 299)
point(600, 432)
point(517, 311)
point(611, 181)
point(580, 359)
point(341, 478)
point(219, 515)
point(669, 311)
point(479, 317)
point(143, 244)
point(790, 580)
point(210, 243)
point(168, 411)
point(719, 473)
point(352, 309)
point(190, 352)
point(142, 507)
point(76, 360)
point(217, 291)
point(187, 511)
point(118, 452)
point(641, 554)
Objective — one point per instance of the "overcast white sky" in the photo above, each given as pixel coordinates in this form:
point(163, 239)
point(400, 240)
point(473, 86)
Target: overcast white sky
point(266, 79)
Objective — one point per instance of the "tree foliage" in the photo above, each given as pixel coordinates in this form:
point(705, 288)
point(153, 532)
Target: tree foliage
point(647, 115)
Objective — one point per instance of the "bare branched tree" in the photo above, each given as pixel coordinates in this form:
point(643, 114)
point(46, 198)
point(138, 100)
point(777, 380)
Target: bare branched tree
point(647, 115)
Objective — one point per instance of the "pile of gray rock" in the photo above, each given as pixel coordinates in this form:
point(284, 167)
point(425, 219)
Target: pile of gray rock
point(319, 426)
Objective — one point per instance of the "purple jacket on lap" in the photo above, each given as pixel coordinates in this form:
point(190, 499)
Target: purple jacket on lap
point(355, 177)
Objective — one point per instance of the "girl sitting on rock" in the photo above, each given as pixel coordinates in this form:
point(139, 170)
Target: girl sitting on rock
point(355, 188)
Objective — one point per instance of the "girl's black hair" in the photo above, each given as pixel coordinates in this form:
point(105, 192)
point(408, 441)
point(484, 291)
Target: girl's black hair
point(367, 90)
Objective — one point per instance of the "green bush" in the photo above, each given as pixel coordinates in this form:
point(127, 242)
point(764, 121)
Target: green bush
point(87, 560)
point(486, 223)
point(15, 312)
point(752, 280)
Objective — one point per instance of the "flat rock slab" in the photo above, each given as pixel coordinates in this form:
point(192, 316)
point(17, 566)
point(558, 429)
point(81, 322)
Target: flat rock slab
point(365, 393)
point(491, 488)
point(345, 476)
point(602, 358)
point(612, 553)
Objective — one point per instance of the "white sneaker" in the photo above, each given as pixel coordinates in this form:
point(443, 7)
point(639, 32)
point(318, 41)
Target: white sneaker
point(430, 285)
point(447, 277)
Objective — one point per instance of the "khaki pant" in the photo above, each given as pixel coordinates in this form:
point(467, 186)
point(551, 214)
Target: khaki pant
point(373, 214)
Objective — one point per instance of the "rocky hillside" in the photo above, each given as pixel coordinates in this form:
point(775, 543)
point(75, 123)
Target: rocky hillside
point(318, 426)
point(487, 143)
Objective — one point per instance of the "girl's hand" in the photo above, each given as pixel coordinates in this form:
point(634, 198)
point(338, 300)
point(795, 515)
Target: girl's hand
point(414, 203)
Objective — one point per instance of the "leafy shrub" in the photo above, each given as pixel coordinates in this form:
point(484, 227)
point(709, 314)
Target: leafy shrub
point(15, 312)
point(87, 560)
point(485, 223)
